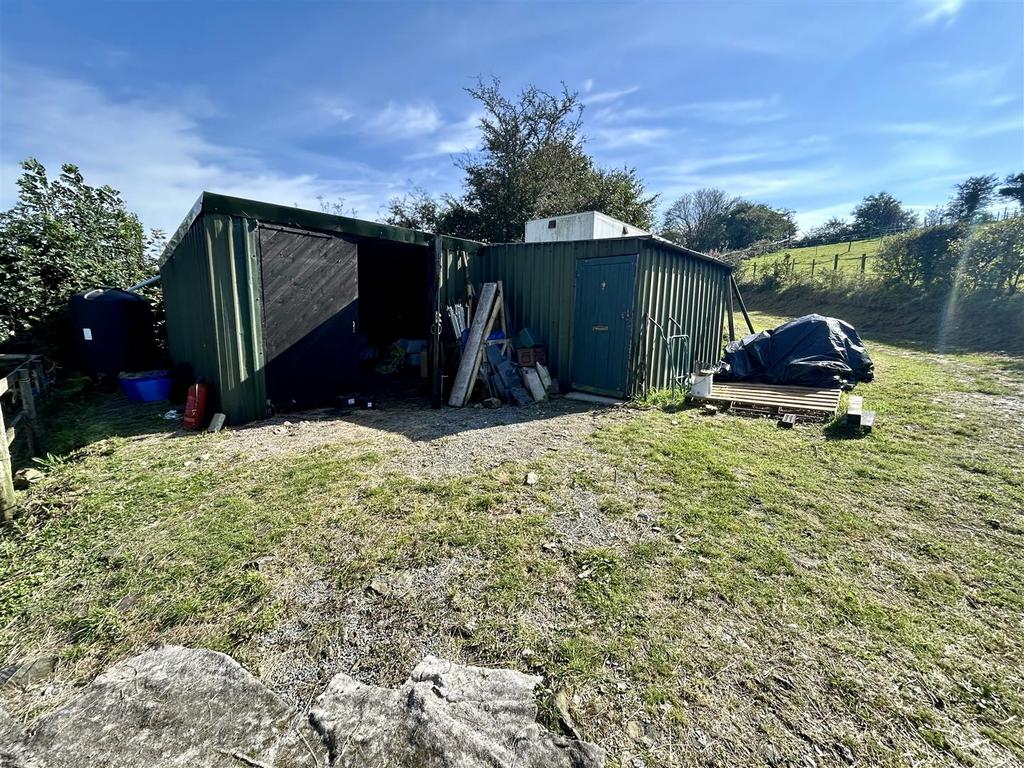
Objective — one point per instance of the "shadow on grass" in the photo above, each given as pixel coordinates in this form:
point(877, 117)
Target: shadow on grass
point(838, 429)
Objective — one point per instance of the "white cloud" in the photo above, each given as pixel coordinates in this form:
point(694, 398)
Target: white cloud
point(457, 137)
point(627, 136)
point(605, 97)
point(156, 154)
point(940, 10)
point(806, 220)
point(405, 121)
point(737, 111)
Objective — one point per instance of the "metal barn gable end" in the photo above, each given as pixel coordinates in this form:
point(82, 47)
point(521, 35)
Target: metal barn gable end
point(671, 285)
point(212, 283)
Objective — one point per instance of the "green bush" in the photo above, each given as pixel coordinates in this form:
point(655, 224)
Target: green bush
point(61, 237)
point(923, 257)
point(993, 256)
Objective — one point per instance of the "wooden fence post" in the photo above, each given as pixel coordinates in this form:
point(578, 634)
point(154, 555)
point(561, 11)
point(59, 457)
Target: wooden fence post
point(835, 263)
point(813, 263)
point(28, 405)
point(6, 478)
point(754, 277)
point(863, 262)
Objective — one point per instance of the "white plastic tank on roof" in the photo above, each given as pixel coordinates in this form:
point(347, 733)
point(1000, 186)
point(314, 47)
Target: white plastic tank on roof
point(589, 225)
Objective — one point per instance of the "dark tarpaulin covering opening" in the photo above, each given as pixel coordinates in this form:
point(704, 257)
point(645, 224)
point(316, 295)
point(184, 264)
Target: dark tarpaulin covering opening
point(811, 351)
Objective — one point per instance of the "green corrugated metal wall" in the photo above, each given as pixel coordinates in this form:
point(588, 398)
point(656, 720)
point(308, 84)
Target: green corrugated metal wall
point(212, 300)
point(691, 290)
point(212, 292)
point(539, 284)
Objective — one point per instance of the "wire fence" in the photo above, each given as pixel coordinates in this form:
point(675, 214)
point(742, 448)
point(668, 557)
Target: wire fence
point(809, 266)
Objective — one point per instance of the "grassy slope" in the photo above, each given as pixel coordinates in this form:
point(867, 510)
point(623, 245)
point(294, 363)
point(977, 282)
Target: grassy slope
point(849, 255)
point(766, 594)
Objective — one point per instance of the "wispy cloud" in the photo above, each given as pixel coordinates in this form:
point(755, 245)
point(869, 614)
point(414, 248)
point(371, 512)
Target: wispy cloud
point(940, 11)
point(155, 153)
point(453, 138)
point(405, 121)
point(737, 111)
point(604, 97)
point(626, 136)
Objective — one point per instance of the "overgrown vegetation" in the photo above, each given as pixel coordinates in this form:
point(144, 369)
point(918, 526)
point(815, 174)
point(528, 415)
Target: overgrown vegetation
point(738, 593)
point(532, 163)
point(63, 236)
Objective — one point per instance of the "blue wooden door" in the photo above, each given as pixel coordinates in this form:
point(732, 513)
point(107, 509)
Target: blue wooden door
point(603, 324)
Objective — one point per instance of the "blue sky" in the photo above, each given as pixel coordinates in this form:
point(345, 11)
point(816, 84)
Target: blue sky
point(804, 105)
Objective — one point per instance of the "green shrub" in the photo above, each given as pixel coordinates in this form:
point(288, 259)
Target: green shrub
point(923, 257)
point(61, 237)
point(993, 256)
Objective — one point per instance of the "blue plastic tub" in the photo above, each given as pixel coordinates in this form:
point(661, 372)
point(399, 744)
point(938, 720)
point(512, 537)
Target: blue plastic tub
point(147, 387)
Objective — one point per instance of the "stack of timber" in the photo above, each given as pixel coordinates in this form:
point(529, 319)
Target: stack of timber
point(773, 400)
point(488, 359)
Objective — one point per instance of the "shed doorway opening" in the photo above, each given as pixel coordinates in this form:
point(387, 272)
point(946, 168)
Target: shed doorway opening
point(334, 307)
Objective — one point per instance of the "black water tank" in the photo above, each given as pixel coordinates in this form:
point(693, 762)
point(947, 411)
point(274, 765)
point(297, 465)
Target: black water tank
point(113, 331)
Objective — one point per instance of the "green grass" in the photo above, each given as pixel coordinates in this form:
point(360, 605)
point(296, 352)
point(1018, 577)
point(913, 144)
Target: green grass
point(823, 256)
point(753, 594)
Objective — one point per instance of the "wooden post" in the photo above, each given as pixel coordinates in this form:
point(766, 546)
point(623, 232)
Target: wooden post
point(479, 328)
point(732, 323)
point(434, 354)
point(755, 272)
point(6, 478)
point(863, 262)
point(743, 306)
point(813, 264)
point(835, 262)
point(28, 405)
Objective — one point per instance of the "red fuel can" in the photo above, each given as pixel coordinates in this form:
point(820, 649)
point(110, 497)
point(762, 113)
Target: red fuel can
point(195, 405)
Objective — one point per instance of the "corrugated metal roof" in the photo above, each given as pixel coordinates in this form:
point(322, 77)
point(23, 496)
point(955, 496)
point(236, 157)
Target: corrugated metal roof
point(301, 218)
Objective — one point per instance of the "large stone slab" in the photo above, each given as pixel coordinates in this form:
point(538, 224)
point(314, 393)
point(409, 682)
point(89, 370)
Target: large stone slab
point(171, 707)
point(444, 716)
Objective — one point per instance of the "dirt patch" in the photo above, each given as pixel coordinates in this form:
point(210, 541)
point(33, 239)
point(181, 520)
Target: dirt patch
point(426, 443)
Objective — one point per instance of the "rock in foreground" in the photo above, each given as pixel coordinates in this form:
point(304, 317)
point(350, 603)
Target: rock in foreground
point(444, 716)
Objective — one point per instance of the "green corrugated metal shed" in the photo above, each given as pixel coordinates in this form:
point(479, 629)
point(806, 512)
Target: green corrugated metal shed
point(210, 273)
point(672, 283)
point(213, 293)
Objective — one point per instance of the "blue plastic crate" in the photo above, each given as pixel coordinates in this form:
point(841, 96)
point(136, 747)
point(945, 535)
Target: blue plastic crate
point(148, 387)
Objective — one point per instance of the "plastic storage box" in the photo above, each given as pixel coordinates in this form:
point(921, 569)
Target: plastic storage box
point(147, 387)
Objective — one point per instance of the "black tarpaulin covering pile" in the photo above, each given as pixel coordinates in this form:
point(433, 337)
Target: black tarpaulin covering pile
point(811, 351)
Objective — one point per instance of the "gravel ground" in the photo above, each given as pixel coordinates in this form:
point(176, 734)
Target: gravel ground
point(428, 443)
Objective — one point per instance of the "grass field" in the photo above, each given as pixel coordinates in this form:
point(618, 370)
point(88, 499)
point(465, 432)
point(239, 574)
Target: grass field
point(706, 590)
point(821, 255)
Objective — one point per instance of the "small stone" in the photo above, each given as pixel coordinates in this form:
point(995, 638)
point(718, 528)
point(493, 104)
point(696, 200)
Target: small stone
point(27, 476)
point(280, 430)
point(846, 753)
point(531, 478)
point(634, 730)
point(127, 602)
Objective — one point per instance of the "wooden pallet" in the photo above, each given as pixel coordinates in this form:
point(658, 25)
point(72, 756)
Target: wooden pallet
point(774, 399)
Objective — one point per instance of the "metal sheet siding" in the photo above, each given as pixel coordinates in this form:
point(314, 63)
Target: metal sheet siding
point(540, 291)
point(539, 280)
point(212, 297)
point(692, 291)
